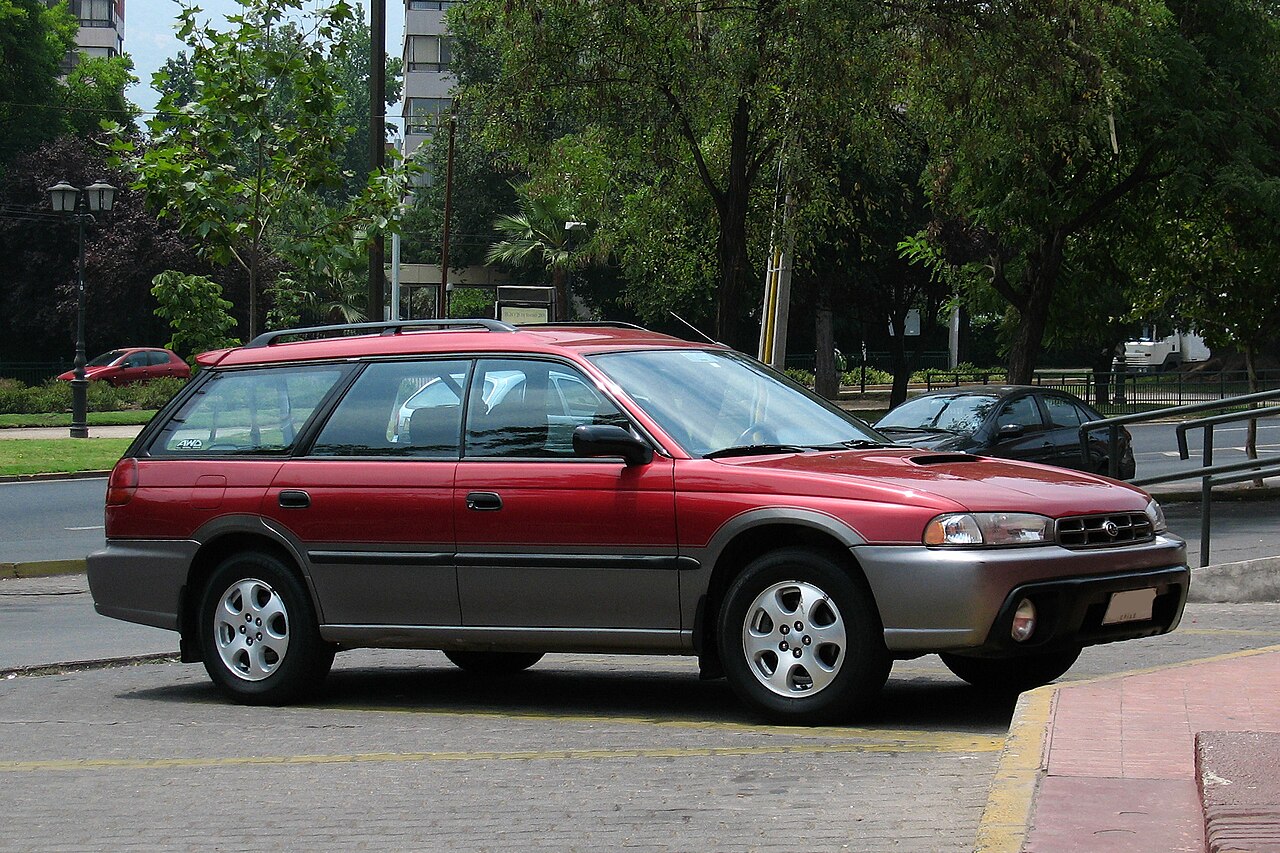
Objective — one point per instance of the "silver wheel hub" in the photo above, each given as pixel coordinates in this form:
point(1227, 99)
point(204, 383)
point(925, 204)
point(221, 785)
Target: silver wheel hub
point(251, 629)
point(794, 639)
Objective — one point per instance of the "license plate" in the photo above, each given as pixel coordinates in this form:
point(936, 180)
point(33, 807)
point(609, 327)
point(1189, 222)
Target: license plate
point(1132, 605)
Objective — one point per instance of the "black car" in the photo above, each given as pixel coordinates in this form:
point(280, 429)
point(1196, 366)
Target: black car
point(1029, 423)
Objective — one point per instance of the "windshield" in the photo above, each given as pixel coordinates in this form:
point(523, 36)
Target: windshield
point(710, 401)
point(106, 358)
point(958, 413)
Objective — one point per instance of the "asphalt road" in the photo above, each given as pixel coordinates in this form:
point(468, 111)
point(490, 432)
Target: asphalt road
point(51, 519)
point(1155, 447)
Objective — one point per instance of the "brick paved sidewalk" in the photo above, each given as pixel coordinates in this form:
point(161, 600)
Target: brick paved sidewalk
point(1117, 758)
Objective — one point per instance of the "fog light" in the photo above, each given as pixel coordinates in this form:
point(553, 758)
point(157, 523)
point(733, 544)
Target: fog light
point(1024, 621)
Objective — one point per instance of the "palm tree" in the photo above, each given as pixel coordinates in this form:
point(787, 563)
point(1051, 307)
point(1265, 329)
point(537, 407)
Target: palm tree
point(543, 232)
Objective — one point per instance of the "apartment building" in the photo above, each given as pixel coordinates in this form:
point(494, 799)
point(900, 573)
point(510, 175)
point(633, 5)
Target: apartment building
point(428, 81)
point(101, 29)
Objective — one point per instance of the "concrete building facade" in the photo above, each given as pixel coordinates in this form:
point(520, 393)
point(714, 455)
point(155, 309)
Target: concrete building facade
point(101, 29)
point(428, 80)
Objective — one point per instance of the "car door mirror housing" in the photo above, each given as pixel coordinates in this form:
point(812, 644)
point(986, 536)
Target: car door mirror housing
point(1011, 431)
point(592, 440)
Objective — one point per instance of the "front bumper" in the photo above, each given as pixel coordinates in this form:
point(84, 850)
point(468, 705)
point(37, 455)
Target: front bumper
point(936, 599)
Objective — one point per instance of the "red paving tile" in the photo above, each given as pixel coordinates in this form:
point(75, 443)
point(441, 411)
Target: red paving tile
point(1119, 769)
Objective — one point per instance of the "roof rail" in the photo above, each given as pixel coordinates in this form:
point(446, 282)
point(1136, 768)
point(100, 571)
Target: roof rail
point(603, 324)
point(388, 328)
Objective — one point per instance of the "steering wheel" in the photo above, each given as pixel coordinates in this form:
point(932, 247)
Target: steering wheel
point(755, 434)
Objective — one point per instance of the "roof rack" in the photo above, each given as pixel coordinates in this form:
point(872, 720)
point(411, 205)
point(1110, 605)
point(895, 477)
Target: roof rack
point(604, 324)
point(387, 328)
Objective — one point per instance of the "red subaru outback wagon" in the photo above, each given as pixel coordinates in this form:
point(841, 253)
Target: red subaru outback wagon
point(601, 488)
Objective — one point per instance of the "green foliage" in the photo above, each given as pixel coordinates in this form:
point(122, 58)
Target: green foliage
point(33, 40)
point(196, 312)
point(249, 158)
point(467, 302)
point(95, 94)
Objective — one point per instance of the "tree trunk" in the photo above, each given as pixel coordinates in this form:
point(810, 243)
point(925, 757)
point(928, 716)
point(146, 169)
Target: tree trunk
point(1251, 436)
point(1102, 362)
point(825, 379)
point(560, 282)
point(898, 359)
point(731, 243)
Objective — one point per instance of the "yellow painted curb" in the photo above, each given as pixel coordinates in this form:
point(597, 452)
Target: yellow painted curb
point(1005, 820)
point(42, 569)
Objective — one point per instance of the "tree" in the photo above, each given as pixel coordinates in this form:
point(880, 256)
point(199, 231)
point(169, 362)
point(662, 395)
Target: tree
point(686, 102)
point(252, 165)
point(123, 251)
point(33, 40)
point(1045, 118)
point(544, 232)
point(195, 310)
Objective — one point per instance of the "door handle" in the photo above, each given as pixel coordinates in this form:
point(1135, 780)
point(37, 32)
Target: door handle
point(484, 501)
point(294, 499)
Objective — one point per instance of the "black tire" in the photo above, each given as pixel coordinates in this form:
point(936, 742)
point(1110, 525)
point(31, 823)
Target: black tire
point(842, 662)
point(493, 663)
point(1012, 675)
point(277, 655)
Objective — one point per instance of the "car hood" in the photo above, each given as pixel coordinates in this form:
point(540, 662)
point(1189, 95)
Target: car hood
point(976, 483)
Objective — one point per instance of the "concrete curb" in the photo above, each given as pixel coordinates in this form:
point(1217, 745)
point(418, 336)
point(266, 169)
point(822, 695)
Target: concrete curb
point(56, 475)
point(74, 666)
point(1006, 819)
point(42, 568)
point(1244, 582)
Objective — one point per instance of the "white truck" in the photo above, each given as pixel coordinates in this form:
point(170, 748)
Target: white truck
point(1151, 353)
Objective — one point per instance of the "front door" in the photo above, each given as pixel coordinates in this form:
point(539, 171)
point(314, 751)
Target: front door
point(548, 540)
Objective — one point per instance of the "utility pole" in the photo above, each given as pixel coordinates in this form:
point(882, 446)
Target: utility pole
point(377, 140)
point(442, 304)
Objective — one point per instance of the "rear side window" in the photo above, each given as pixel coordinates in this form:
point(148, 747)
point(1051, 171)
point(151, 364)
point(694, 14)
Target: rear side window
point(1062, 412)
point(400, 408)
point(247, 412)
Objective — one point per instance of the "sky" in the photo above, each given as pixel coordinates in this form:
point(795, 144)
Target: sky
point(149, 38)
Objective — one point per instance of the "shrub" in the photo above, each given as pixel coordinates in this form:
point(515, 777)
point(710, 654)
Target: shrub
point(55, 396)
point(875, 376)
point(153, 394)
point(804, 377)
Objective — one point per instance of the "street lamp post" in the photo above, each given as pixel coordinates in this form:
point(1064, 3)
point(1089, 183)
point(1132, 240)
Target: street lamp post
point(80, 205)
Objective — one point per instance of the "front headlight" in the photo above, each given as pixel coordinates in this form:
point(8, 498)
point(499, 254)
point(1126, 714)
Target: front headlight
point(989, 528)
point(1156, 515)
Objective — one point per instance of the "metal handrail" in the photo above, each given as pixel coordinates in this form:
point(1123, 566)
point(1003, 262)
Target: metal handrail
point(1210, 475)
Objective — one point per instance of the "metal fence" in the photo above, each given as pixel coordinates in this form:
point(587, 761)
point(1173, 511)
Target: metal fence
point(33, 372)
point(1114, 393)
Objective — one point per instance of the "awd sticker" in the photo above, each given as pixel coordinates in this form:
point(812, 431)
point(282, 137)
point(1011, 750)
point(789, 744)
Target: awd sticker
point(190, 444)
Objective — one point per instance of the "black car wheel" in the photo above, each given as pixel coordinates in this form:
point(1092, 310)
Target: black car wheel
point(1015, 674)
point(493, 663)
point(800, 639)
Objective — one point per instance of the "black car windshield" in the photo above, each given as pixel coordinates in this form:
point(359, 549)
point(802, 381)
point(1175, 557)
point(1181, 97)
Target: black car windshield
point(106, 358)
point(961, 414)
point(713, 400)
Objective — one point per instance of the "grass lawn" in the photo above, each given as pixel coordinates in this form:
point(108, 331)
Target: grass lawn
point(54, 419)
point(49, 455)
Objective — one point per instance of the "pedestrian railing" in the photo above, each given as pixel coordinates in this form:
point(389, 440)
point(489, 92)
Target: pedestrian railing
point(32, 372)
point(1210, 475)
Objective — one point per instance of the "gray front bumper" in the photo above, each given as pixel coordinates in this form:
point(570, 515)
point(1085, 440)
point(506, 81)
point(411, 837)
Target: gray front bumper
point(948, 599)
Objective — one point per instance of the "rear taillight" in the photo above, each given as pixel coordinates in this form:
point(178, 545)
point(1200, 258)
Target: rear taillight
point(123, 482)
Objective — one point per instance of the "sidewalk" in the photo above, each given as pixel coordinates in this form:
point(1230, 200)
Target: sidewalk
point(1139, 763)
point(109, 431)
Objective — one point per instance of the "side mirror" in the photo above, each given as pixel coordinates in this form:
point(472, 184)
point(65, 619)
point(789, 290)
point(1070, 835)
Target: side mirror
point(593, 440)
point(1011, 431)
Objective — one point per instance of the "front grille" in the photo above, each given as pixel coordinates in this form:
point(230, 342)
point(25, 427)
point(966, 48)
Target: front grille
point(1104, 531)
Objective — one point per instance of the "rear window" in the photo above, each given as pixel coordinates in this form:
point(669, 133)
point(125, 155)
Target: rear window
point(247, 412)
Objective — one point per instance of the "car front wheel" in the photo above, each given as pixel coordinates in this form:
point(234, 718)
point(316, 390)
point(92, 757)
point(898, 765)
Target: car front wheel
point(800, 639)
point(258, 632)
point(1012, 674)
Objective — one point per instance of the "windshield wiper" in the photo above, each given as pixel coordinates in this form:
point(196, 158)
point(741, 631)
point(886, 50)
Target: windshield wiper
point(853, 444)
point(916, 429)
point(754, 450)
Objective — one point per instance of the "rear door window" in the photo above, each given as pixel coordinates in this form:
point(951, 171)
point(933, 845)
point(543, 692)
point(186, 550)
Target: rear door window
point(1062, 412)
point(248, 412)
point(399, 408)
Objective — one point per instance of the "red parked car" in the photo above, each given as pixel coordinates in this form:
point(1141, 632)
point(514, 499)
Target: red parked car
point(629, 493)
point(133, 364)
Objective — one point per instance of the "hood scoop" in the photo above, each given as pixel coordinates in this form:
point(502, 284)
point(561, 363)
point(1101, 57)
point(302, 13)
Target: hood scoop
point(943, 458)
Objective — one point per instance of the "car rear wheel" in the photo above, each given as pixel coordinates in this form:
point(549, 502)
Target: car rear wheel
point(800, 639)
point(258, 632)
point(1012, 674)
point(493, 663)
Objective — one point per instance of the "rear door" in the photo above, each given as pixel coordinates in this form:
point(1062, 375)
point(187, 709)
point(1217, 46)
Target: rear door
point(548, 540)
point(1031, 443)
point(1063, 416)
point(371, 499)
